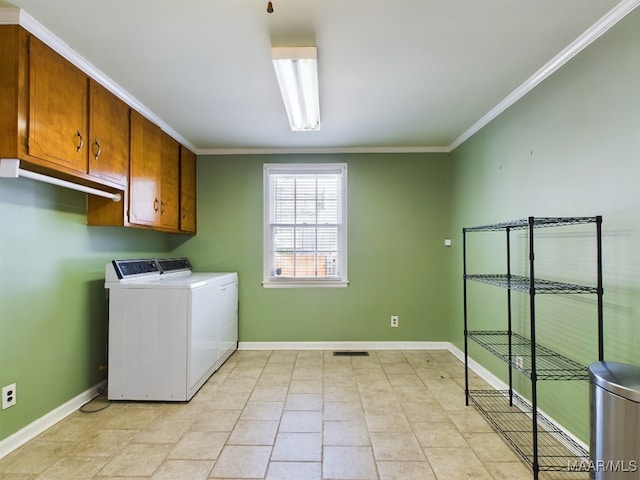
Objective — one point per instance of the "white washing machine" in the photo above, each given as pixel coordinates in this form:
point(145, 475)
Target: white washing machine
point(169, 328)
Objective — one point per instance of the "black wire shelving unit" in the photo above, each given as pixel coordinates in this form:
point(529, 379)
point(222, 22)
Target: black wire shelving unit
point(512, 418)
point(550, 365)
point(541, 444)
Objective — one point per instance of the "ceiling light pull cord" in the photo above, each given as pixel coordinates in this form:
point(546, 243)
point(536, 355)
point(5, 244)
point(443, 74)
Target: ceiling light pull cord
point(269, 7)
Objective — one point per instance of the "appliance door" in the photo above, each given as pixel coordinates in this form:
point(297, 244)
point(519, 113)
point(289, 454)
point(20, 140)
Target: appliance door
point(228, 327)
point(147, 344)
point(203, 335)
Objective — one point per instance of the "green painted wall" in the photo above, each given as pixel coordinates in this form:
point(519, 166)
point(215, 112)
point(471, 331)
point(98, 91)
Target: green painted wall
point(568, 148)
point(398, 220)
point(53, 310)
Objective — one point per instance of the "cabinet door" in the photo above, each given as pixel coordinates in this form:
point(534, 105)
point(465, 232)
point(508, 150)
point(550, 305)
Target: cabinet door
point(144, 181)
point(108, 135)
point(57, 109)
point(188, 191)
point(14, 78)
point(169, 183)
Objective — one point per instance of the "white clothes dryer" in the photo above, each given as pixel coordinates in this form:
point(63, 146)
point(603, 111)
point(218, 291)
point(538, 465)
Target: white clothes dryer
point(170, 329)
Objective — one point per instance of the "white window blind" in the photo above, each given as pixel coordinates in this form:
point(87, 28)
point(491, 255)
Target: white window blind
point(305, 241)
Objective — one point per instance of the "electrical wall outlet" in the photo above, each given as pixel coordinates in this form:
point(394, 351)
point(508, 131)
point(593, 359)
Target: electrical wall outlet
point(519, 362)
point(394, 320)
point(8, 396)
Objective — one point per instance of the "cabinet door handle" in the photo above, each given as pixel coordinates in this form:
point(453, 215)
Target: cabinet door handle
point(80, 141)
point(162, 205)
point(184, 212)
point(156, 205)
point(98, 151)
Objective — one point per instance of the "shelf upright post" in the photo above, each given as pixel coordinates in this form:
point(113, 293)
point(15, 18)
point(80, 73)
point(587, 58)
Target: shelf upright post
point(464, 289)
point(600, 291)
point(509, 328)
point(534, 388)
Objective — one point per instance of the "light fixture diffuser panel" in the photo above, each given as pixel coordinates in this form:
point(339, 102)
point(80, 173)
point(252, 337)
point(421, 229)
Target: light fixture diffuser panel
point(297, 72)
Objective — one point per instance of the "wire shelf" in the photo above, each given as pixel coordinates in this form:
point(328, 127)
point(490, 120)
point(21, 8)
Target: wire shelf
point(537, 222)
point(523, 284)
point(537, 441)
point(550, 365)
point(556, 450)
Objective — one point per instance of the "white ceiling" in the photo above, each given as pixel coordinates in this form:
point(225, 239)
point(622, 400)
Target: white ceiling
point(394, 74)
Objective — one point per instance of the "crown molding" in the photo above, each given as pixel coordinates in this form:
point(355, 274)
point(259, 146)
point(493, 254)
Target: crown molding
point(587, 38)
point(15, 16)
point(320, 150)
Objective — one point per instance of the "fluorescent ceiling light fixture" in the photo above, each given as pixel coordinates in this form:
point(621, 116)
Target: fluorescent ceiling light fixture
point(297, 72)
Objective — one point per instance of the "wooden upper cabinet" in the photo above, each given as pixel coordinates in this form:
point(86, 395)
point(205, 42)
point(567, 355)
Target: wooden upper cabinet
point(188, 191)
point(108, 135)
point(14, 80)
point(144, 171)
point(169, 183)
point(58, 124)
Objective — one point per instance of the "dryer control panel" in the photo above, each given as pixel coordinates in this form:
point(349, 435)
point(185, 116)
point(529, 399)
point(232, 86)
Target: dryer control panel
point(130, 268)
point(174, 264)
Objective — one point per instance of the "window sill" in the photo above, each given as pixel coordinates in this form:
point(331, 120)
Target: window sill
point(305, 284)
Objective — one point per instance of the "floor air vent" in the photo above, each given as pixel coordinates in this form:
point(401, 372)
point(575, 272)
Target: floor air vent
point(350, 354)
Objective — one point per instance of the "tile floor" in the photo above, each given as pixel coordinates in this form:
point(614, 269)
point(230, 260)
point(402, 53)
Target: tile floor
point(281, 415)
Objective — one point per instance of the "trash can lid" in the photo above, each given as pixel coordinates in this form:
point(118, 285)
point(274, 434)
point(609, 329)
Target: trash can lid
point(618, 378)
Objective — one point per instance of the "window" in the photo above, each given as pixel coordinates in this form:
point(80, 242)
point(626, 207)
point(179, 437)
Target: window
point(305, 228)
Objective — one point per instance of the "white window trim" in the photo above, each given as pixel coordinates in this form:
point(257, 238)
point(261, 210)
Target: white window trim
point(268, 281)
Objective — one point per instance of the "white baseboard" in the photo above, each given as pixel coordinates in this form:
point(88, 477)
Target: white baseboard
point(35, 428)
point(343, 345)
